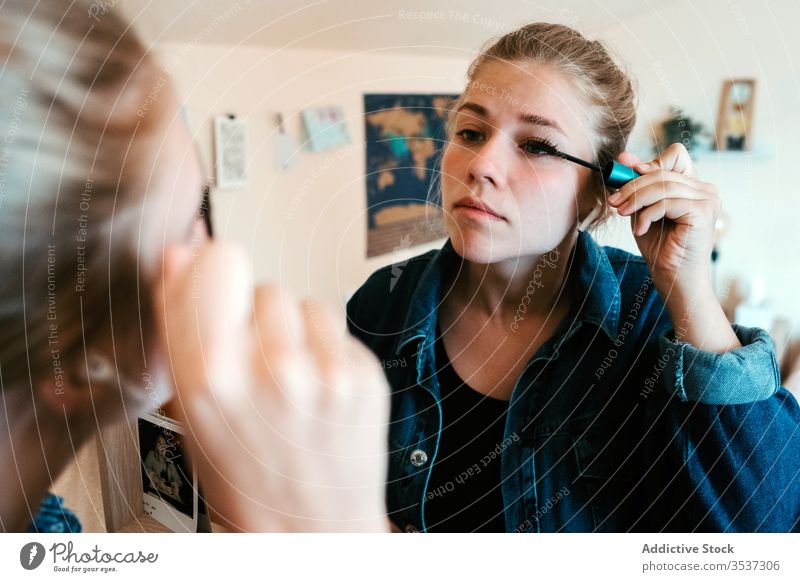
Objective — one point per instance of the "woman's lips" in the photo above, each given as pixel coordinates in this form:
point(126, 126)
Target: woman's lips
point(477, 209)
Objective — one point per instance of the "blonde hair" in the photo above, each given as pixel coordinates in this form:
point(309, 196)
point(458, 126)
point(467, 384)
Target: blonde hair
point(74, 172)
point(606, 89)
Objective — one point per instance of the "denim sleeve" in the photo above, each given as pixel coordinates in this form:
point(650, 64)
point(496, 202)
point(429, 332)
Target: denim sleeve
point(738, 435)
point(355, 316)
point(350, 310)
point(53, 517)
point(358, 320)
point(746, 374)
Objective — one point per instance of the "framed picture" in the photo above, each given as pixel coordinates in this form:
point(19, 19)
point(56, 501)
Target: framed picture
point(230, 151)
point(735, 119)
point(169, 486)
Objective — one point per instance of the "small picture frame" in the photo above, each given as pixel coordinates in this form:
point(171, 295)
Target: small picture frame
point(169, 486)
point(230, 152)
point(735, 119)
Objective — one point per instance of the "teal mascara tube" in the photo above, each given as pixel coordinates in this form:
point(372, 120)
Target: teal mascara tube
point(616, 175)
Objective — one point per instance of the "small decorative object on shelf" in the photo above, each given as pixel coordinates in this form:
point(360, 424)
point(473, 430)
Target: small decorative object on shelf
point(679, 128)
point(735, 119)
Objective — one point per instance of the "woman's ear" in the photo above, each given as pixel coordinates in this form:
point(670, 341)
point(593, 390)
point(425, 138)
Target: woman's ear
point(589, 204)
point(60, 394)
point(75, 389)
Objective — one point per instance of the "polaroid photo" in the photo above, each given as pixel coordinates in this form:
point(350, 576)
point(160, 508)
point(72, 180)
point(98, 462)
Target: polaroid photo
point(169, 487)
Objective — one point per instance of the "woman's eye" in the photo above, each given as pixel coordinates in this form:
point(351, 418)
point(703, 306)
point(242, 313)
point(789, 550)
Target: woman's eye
point(469, 135)
point(537, 148)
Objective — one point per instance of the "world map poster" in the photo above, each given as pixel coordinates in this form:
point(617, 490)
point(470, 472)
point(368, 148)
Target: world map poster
point(404, 139)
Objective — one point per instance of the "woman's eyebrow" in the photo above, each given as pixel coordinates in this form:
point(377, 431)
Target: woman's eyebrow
point(539, 120)
point(530, 118)
point(475, 108)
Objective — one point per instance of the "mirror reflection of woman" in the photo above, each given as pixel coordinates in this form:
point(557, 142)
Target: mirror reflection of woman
point(554, 384)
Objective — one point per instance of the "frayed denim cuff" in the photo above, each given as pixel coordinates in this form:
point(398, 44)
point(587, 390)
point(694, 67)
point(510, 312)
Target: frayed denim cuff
point(746, 374)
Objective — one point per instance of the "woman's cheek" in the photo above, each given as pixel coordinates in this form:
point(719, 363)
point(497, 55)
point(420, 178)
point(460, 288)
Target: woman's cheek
point(451, 179)
point(545, 214)
point(449, 162)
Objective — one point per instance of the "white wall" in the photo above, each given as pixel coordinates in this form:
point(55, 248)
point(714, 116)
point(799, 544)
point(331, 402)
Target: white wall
point(306, 225)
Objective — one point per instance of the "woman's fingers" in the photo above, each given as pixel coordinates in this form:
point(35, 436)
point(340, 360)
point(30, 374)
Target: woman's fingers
point(679, 186)
point(325, 333)
point(659, 190)
point(326, 337)
point(279, 363)
point(202, 307)
point(675, 158)
point(629, 159)
point(277, 320)
point(672, 208)
point(671, 169)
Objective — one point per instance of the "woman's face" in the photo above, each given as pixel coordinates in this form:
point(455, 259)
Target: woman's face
point(169, 218)
point(171, 214)
point(502, 198)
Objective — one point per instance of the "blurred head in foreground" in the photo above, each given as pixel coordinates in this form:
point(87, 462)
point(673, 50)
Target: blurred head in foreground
point(97, 175)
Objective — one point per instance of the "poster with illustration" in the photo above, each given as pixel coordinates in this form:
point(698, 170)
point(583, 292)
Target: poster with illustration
point(169, 487)
point(404, 139)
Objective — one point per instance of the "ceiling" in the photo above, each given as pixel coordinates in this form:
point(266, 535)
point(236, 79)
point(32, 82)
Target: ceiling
point(358, 25)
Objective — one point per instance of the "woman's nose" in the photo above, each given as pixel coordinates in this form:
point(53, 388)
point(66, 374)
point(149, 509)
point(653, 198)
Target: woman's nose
point(489, 163)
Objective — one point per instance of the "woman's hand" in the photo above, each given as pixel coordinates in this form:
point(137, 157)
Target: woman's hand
point(286, 414)
point(672, 218)
point(673, 215)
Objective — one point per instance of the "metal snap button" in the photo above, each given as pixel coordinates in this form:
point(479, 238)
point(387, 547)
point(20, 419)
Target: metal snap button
point(418, 457)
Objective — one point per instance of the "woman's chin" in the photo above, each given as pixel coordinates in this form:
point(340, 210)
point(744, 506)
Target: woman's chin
point(485, 248)
point(481, 250)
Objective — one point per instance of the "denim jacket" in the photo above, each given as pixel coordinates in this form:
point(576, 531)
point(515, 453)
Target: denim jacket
point(612, 426)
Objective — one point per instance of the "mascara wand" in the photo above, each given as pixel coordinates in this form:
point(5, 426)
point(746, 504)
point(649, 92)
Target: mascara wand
point(615, 175)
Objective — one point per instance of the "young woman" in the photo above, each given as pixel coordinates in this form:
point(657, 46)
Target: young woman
point(111, 292)
point(553, 384)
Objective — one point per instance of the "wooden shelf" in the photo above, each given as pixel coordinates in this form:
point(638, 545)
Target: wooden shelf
point(758, 154)
point(754, 155)
point(146, 524)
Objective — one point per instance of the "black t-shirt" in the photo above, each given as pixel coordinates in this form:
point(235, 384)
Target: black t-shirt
point(464, 490)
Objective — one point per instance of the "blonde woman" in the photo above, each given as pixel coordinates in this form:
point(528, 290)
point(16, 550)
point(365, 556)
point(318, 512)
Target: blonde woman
point(553, 384)
point(113, 300)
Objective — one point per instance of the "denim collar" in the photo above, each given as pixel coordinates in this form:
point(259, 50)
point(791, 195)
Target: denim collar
point(597, 285)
